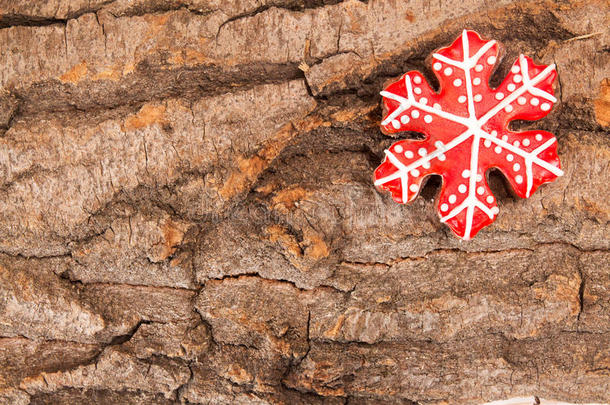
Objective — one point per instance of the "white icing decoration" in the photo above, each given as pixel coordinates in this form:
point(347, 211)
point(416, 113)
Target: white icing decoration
point(452, 198)
point(511, 87)
point(499, 95)
point(423, 100)
point(395, 124)
point(398, 149)
point(508, 108)
point(487, 143)
point(426, 165)
point(457, 82)
point(539, 137)
point(479, 178)
point(428, 118)
point(476, 81)
point(516, 144)
point(490, 199)
point(515, 69)
point(534, 101)
point(409, 155)
point(466, 173)
point(437, 106)
point(505, 138)
point(545, 107)
point(480, 190)
point(516, 167)
point(448, 71)
point(422, 152)
point(414, 172)
point(444, 207)
point(510, 157)
point(437, 66)
point(478, 97)
point(415, 114)
point(416, 79)
point(517, 78)
point(404, 119)
point(417, 90)
point(414, 188)
point(462, 99)
point(526, 142)
point(474, 124)
point(491, 60)
point(521, 100)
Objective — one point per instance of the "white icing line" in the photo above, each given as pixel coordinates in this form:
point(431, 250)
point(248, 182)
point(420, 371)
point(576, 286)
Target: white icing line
point(553, 169)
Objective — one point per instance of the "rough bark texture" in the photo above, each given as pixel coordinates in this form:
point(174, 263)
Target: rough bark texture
point(187, 212)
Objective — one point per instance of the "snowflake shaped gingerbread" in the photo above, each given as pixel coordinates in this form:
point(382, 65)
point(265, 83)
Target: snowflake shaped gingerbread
point(466, 129)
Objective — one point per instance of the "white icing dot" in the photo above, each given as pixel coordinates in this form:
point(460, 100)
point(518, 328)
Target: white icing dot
point(438, 144)
point(478, 68)
point(415, 114)
point(490, 199)
point(498, 149)
point(444, 207)
point(479, 177)
point(538, 137)
point(409, 154)
point(462, 99)
point(395, 124)
point(437, 106)
point(452, 198)
point(509, 157)
point(414, 188)
point(516, 167)
point(417, 90)
point(494, 133)
point(521, 100)
point(466, 173)
point(478, 97)
point(426, 165)
point(476, 81)
point(515, 69)
point(519, 179)
point(448, 71)
point(495, 210)
point(442, 158)
point(480, 190)
point(404, 119)
point(462, 188)
point(516, 143)
point(423, 100)
point(545, 107)
point(417, 80)
point(511, 87)
point(491, 60)
point(517, 78)
point(487, 143)
point(422, 152)
point(437, 66)
point(508, 108)
point(505, 138)
point(526, 142)
point(534, 101)
point(457, 82)
point(414, 172)
point(428, 119)
point(398, 149)
point(499, 95)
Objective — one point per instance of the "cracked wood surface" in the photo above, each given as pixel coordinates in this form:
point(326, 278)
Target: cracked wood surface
point(188, 214)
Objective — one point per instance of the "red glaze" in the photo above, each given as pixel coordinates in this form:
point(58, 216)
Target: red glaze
point(466, 129)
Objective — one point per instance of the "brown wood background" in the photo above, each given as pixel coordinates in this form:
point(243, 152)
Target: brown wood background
point(187, 213)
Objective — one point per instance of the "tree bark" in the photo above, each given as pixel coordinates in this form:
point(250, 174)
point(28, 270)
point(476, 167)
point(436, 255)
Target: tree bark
point(188, 215)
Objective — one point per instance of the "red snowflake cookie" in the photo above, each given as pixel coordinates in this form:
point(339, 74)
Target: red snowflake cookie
point(466, 129)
